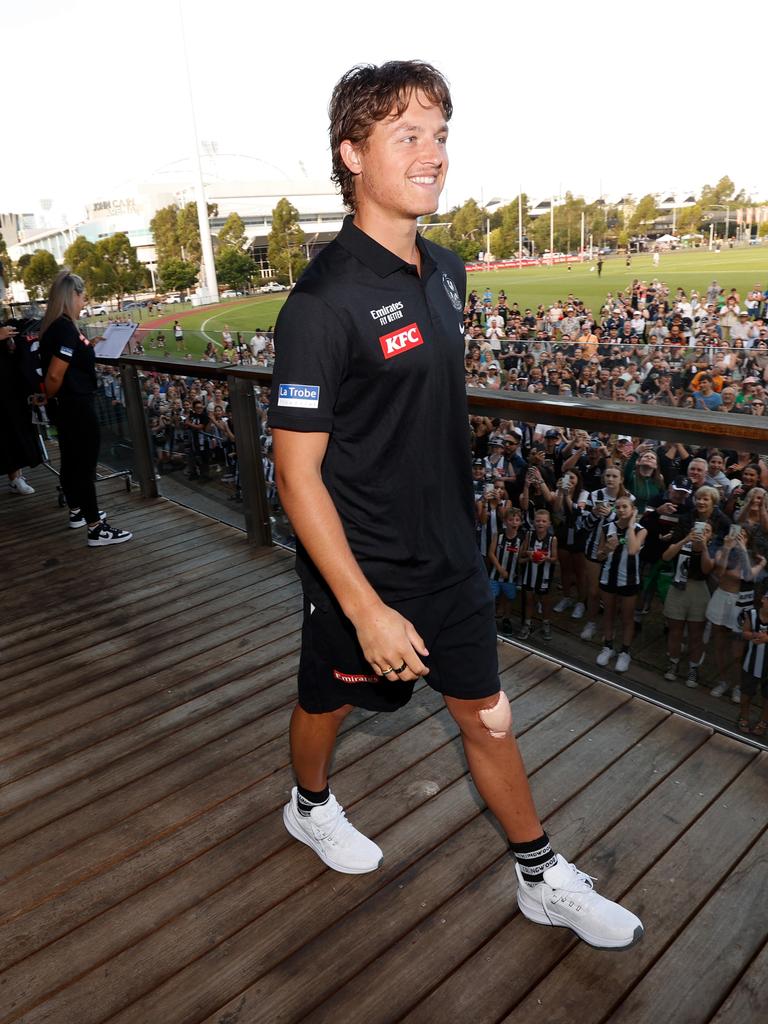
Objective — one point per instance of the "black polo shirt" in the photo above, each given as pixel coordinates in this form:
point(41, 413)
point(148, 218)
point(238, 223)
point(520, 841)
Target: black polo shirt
point(64, 340)
point(371, 353)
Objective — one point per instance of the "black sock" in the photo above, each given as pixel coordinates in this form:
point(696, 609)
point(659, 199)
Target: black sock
point(306, 799)
point(534, 857)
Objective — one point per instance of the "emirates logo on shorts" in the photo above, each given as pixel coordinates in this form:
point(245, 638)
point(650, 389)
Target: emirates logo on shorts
point(401, 340)
point(353, 677)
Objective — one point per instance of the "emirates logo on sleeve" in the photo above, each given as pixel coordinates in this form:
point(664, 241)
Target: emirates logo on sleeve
point(401, 340)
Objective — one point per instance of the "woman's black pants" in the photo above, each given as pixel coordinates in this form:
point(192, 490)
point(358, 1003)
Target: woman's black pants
point(79, 436)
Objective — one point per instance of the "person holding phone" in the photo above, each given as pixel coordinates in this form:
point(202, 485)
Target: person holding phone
point(688, 596)
point(598, 509)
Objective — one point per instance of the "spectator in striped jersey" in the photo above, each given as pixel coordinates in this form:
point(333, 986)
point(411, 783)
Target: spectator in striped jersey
point(503, 556)
point(538, 557)
point(598, 509)
point(735, 573)
point(535, 495)
point(570, 546)
point(619, 553)
point(688, 596)
point(754, 672)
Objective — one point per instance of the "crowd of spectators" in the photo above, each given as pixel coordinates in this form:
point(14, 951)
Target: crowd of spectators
point(707, 351)
point(603, 528)
point(595, 528)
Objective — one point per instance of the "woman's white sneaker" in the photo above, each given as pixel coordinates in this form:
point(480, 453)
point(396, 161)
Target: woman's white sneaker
point(20, 486)
point(326, 831)
point(566, 898)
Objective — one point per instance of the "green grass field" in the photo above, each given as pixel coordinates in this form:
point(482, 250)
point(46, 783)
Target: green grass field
point(742, 269)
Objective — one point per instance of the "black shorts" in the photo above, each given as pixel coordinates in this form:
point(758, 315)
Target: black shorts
point(457, 625)
point(630, 591)
point(751, 684)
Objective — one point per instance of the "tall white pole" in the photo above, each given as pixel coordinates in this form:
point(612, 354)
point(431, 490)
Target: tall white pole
point(520, 226)
point(487, 239)
point(209, 286)
point(581, 247)
point(552, 230)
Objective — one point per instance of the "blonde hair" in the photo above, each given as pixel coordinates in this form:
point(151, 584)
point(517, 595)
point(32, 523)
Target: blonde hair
point(61, 298)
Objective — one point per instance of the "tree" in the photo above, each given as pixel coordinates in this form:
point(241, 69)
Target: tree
point(165, 231)
point(232, 234)
point(6, 266)
point(234, 269)
point(507, 242)
point(84, 259)
point(644, 213)
point(177, 233)
point(39, 273)
point(177, 275)
point(124, 273)
point(285, 243)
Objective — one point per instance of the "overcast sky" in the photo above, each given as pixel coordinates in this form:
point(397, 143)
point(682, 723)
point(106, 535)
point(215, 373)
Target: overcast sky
point(596, 96)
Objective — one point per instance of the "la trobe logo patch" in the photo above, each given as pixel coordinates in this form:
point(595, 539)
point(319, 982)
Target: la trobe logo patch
point(400, 341)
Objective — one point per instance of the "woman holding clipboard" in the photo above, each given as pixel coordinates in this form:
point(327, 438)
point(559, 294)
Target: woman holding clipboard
point(69, 365)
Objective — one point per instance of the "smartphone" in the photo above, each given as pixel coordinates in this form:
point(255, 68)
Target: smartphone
point(698, 529)
point(735, 532)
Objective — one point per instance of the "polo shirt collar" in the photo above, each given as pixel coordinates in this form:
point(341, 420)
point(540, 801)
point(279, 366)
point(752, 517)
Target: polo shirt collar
point(374, 255)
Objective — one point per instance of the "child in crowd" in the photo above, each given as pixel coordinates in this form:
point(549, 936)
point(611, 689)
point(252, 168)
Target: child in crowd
point(538, 557)
point(503, 557)
point(619, 553)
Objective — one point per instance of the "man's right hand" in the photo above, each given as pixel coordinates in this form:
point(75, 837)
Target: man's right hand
point(388, 641)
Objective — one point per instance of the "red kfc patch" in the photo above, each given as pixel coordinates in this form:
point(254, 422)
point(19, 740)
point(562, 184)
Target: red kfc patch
point(401, 340)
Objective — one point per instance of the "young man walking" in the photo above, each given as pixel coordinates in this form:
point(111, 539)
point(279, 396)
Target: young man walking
point(369, 423)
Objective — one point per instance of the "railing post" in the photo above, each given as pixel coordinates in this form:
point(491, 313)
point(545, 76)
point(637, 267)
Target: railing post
point(137, 424)
point(247, 432)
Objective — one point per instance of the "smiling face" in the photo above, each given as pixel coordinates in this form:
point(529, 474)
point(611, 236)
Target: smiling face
point(400, 169)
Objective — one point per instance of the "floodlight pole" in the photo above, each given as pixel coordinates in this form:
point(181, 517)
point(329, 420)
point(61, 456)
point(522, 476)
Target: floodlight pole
point(210, 286)
point(581, 250)
point(520, 226)
point(552, 231)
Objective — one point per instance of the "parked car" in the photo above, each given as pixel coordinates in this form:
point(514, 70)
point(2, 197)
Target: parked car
point(172, 298)
point(230, 294)
point(99, 309)
point(273, 286)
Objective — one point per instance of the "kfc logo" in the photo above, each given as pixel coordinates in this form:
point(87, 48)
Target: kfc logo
point(401, 341)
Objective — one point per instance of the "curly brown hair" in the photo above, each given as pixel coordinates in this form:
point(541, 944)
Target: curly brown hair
point(368, 93)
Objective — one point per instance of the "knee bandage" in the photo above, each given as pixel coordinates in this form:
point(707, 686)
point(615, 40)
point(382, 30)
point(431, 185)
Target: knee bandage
point(497, 719)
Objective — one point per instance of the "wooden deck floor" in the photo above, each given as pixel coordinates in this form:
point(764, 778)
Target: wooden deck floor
point(145, 875)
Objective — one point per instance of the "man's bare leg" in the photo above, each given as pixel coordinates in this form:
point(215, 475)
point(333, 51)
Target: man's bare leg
point(497, 768)
point(313, 738)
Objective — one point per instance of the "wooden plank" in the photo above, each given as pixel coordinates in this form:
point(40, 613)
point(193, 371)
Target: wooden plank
point(29, 652)
point(279, 931)
point(643, 806)
point(721, 941)
point(54, 799)
point(451, 928)
point(748, 999)
point(712, 836)
point(229, 639)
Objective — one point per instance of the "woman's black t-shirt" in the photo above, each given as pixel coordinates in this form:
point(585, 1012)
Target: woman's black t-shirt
point(65, 341)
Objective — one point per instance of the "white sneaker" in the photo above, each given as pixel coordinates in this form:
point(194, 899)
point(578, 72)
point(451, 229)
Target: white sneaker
point(623, 661)
point(578, 611)
point(566, 898)
point(671, 674)
point(563, 605)
point(605, 655)
point(589, 631)
point(736, 695)
point(720, 689)
point(326, 831)
point(20, 486)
